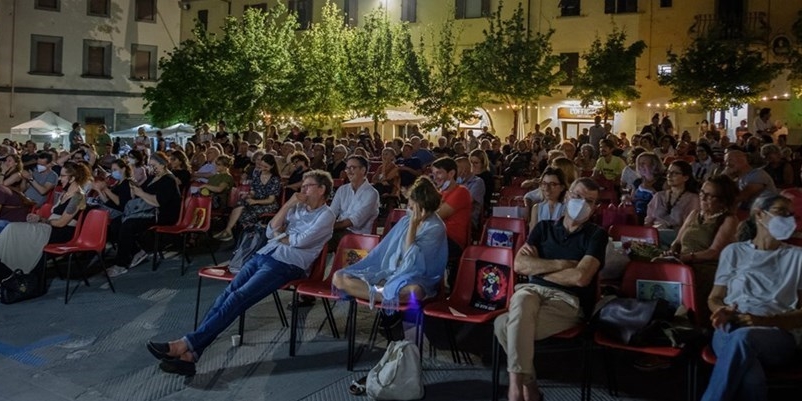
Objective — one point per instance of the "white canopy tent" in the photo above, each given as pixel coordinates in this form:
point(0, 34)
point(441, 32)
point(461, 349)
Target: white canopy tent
point(133, 131)
point(180, 133)
point(46, 127)
point(394, 117)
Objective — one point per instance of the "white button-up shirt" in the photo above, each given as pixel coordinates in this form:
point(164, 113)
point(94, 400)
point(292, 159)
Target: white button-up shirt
point(360, 206)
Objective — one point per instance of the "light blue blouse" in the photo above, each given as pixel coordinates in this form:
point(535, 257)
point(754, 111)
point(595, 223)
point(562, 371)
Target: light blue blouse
point(423, 263)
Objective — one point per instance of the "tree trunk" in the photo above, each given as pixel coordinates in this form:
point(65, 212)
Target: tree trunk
point(515, 113)
point(604, 111)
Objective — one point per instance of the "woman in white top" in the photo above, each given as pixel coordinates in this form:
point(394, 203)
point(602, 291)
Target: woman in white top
point(756, 304)
point(552, 187)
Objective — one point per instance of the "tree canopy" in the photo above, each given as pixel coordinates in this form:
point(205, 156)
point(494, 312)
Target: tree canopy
point(718, 74)
point(512, 65)
point(443, 92)
point(608, 76)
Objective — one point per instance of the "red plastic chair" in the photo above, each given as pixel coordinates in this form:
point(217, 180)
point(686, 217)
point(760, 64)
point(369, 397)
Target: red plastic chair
point(392, 218)
point(464, 287)
point(221, 273)
point(195, 218)
point(90, 236)
point(516, 225)
point(511, 196)
point(322, 289)
point(658, 271)
point(45, 210)
point(635, 233)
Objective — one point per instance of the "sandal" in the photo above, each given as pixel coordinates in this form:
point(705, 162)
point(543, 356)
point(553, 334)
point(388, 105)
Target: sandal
point(357, 387)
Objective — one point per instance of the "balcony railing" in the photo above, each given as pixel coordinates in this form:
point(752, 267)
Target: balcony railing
point(753, 26)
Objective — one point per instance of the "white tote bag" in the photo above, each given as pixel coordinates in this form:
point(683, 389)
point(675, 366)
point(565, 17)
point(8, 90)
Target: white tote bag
point(397, 376)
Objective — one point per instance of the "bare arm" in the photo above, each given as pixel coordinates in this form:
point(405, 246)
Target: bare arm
point(445, 211)
point(579, 276)
point(750, 192)
point(528, 262)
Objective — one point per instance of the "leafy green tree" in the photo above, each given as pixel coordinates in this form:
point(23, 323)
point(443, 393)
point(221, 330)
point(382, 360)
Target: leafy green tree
point(512, 65)
point(443, 93)
point(238, 76)
point(718, 74)
point(321, 69)
point(795, 65)
point(608, 76)
point(376, 62)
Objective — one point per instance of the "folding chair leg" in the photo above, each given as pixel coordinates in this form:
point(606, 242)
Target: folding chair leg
point(294, 325)
point(350, 331)
point(419, 335)
point(197, 301)
point(452, 343)
point(330, 317)
point(184, 251)
point(155, 251)
point(281, 315)
point(691, 390)
point(103, 268)
point(609, 368)
point(496, 349)
point(68, 293)
point(211, 250)
point(241, 327)
point(374, 331)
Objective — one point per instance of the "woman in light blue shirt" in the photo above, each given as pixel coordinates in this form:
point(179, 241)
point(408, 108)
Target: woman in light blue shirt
point(409, 263)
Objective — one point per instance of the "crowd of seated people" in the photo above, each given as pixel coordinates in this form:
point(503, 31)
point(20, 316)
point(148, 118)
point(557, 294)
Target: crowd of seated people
point(661, 182)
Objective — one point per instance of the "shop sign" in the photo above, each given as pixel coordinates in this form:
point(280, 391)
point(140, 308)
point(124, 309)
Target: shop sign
point(578, 113)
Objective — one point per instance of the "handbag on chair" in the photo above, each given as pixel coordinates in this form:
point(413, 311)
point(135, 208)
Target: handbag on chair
point(397, 376)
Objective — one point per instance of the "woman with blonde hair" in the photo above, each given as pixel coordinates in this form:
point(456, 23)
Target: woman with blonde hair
point(480, 167)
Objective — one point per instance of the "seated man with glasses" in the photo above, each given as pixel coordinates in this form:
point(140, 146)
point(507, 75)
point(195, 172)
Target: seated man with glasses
point(296, 235)
point(356, 204)
point(562, 258)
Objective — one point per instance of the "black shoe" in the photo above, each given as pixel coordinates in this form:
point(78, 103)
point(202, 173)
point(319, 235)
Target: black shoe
point(304, 301)
point(392, 326)
point(160, 350)
point(177, 366)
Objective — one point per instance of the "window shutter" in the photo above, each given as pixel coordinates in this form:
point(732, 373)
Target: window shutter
point(485, 8)
point(45, 55)
point(459, 6)
point(609, 6)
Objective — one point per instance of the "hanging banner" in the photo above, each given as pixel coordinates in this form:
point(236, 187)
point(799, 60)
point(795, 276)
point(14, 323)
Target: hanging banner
point(578, 113)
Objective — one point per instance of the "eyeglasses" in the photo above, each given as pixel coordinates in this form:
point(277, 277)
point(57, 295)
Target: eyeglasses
point(550, 184)
point(574, 195)
point(781, 212)
point(707, 195)
point(670, 173)
point(352, 168)
point(64, 175)
point(305, 186)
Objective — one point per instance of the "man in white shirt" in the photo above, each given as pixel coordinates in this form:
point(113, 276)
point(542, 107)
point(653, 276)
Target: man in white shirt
point(356, 204)
point(208, 169)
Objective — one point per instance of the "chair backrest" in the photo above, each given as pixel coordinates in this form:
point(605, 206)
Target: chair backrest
point(512, 192)
point(351, 249)
point(465, 283)
point(318, 268)
point(92, 235)
point(625, 233)
point(516, 225)
point(795, 195)
point(393, 217)
point(662, 271)
point(197, 213)
point(45, 210)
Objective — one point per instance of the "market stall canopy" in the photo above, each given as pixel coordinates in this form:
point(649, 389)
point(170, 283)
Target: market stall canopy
point(47, 123)
point(179, 128)
point(393, 116)
point(132, 132)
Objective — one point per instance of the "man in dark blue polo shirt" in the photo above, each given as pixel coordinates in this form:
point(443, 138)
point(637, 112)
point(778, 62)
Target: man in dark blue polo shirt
point(409, 166)
point(562, 259)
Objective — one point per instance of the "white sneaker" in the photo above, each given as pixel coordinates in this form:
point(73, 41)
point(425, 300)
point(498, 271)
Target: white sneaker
point(115, 271)
point(140, 257)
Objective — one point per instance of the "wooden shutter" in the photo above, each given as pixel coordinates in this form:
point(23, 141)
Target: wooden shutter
point(45, 57)
point(142, 64)
point(486, 8)
point(95, 61)
point(459, 7)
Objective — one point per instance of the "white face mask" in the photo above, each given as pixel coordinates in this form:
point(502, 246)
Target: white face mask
point(460, 180)
point(781, 228)
point(578, 210)
point(40, 168)
point(445, 185)
point(249, 154)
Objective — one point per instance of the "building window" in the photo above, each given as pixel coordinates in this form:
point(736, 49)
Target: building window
point(203, 19)
point(49, 5)
point(259, 6)
point(569, 8)
point(46, 54)
point(471, 8)
point(666, 3)
point(143, 62)
point(569, 66)
point(409, 10)
point(351, 12)
point(664, 69)
point(97, 59)
point(303, 8)
point(98, 8)
point(145, 10)
point(620, 6)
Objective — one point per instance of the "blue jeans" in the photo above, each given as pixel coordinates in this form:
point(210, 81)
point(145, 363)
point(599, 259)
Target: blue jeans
point(742, 354)
point(259, 277)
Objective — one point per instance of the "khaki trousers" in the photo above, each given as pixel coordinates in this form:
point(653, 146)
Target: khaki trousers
point(535, 313)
